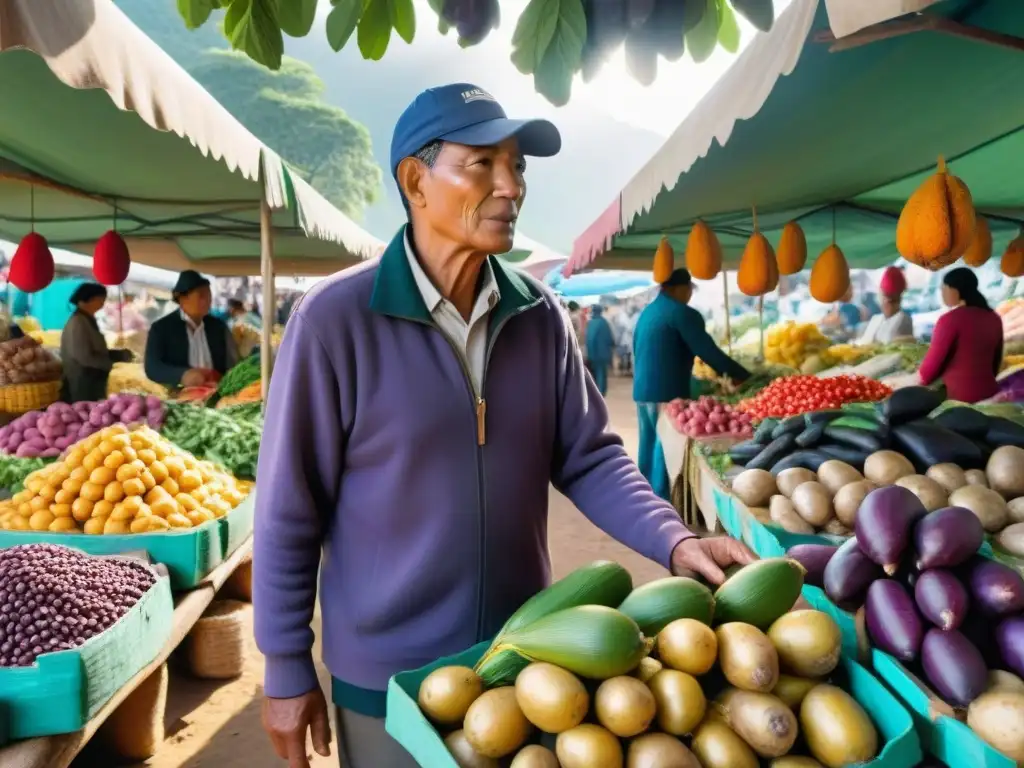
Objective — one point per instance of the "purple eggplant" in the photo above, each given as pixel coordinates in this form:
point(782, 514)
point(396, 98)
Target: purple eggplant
point(953, 666)
point(884, 523)
point(892, 620)
point(848, 575)
point(996, 589)
point(1010, 640)
point(947, 537)
point(814, 558)
point(941, 598)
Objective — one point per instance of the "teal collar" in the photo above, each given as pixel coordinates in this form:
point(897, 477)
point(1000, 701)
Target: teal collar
point(396, 294)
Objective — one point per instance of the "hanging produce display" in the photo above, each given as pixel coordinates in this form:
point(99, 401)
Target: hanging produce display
point(830, 276)
point(792, 252)
point(758, 272)
point(1012, 262)
point(121, 481)
point(937, 222)
point(979, 250)
point(110, 259)
point(664, 261)
point(703, 252)
point(32, 266)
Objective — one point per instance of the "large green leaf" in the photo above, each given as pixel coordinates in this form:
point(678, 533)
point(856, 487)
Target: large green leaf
point(374, 30)
point(702, 39)
point(437, 6)
point(195, 12)
point(255, 29)
point(728, 29)
point(296, 16)
point(535, 31)
point(341, 22)
point(403, 18)
point(760, 13)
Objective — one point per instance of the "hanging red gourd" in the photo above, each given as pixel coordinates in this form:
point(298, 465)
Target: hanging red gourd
point(32, 266)
point(110, 259)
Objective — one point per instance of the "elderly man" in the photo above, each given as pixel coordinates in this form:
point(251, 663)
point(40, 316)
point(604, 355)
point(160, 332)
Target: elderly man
point(421, 406)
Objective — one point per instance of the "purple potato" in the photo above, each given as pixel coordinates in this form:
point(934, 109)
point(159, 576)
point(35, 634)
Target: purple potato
point(942, 599)
point(892, 620)
point(996, 589)
point(884, 523)
point(848, 575)
point(947, 537)
point(814, 558)
point(953, 666)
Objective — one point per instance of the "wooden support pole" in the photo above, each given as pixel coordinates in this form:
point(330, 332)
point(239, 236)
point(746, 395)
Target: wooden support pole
point(267, 276)
point(728, 321)
point(760, 321)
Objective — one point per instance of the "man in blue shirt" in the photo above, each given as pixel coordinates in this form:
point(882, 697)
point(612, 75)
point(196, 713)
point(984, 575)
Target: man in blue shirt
point(600, 344)
point(668, 336)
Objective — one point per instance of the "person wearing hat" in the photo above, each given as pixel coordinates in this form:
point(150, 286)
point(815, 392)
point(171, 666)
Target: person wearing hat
point(422, 404)
point(892, 323)
point(669, 334)
point(600, 345)
point(84, 354)
point(966, 351)
point(190, 347)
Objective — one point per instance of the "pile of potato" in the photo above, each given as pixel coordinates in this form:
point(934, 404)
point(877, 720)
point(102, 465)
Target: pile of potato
point(23, 361)
point(120, 481)
point(801, 501)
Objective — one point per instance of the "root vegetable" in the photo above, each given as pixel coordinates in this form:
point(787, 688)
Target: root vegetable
point(813, 502)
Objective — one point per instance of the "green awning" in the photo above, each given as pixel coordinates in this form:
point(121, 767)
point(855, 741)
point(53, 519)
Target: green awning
point(832, 139)
point(98, 120)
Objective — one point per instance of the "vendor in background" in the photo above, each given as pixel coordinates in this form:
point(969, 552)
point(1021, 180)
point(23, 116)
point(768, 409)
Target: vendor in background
point(669, 334)
point(841, 323)
point(600, 345)
point(967, 345)
point(83, 350)
point(189, 347)
point(892, 323)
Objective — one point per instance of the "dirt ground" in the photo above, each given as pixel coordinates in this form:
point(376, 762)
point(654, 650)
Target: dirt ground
point(218, 726)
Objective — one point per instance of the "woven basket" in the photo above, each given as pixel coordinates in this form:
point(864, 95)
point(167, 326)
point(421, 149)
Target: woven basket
point(22, 398)
point(218, 643)
point(135, 730)
point(239, 584)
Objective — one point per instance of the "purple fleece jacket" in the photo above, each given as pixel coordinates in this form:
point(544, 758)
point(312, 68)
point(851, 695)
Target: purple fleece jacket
point(371, 469)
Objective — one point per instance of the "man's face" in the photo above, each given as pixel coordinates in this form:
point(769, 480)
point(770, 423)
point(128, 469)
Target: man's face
point(890, 305)
point(197, 302)
point(472, 195)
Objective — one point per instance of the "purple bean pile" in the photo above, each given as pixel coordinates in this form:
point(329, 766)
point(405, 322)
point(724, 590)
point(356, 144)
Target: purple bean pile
point(54, 598)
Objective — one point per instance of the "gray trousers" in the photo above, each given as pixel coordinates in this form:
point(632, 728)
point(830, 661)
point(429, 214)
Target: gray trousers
point(363, 743)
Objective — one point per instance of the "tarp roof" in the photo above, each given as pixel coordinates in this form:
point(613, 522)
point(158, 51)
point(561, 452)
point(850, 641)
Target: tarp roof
point(801, 132)
point(187, 194)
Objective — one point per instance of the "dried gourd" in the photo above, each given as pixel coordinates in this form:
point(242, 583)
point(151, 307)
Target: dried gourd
point(703, 252)
point(937, 222)
point(792, 253)
point(664, 261)
point(980, 248)
point(758, 273)
point(830, 276)
point(1012, 263)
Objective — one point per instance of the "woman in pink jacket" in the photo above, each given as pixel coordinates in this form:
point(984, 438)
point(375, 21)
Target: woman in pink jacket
point(967, 346)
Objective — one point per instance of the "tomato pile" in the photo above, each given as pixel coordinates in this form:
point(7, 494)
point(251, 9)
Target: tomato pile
point(792, 395)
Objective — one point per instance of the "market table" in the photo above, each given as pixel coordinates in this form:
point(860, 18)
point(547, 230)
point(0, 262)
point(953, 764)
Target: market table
point(688, 470)
point(58, 751)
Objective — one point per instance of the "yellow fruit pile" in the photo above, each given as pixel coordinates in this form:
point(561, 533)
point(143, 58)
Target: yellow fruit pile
point(845, 354)
point(791, 343)
point(131, 377)
point(46, 338)
point(119, 481)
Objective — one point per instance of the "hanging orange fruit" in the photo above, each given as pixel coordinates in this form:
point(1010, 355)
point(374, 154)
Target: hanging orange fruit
point(758, 273)
point(830, 276)
point(980, 248)
point(664, 261)
point(703, 252)
point(937, 222)
point(792, 253)
point(32, 266)
point(110, 259)
point(1012, 263)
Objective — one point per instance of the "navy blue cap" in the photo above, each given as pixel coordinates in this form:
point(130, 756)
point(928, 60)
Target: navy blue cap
point(466, 114)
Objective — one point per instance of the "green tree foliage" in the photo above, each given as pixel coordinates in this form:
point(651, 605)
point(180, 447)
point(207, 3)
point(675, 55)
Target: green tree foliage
point(285, 109)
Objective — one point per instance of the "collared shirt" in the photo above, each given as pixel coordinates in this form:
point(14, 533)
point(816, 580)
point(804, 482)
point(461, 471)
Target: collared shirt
point(882, 329)
point(469, 339)
point(198, 347)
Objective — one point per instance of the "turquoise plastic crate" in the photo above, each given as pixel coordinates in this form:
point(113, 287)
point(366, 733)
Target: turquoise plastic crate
point(62, 691)
point(190, 555)
point(410, 728)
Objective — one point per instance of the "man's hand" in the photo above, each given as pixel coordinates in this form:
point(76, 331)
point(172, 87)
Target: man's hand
point(287, 720)
point(193, 377)
point(710, 557)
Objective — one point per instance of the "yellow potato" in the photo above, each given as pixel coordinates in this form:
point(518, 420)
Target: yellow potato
point(144, 510)
point(233, 497)
point(186, 502)
point(156, 523)
point(120, 438)
point(41, 520)
point(79, 475)
point(175, 466)
point(120, 513)
point(129, 471)
point(60, 510)
point(106, 447)
point(64, 497)
point(164, 507)
point(114, 492)
point(199, 516)
point(159, 470)
point(171, 486)
point(133, 503)
point(19, 523)
point(178, 520)
point(154, 495)
point(134, 487)
point(189, 480)
point(92, 461)
point(102, 476)
point(147, 479)
point(38, 503)
point(91, 491)
point(113, 526)
point(114, 460)
point(75, 456)
point(140, 525)
point(147, 456)
point(33, 484)
point(102, 508)
point(64, 525)
point(25, 509)
point(130, 454)
point(81, 509)
point(21, 497)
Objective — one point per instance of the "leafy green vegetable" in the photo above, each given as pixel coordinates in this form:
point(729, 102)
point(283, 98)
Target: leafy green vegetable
point(374, 31)
point(13, 471)
point(229, 437)
point(341, 22)
point(246, 372)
